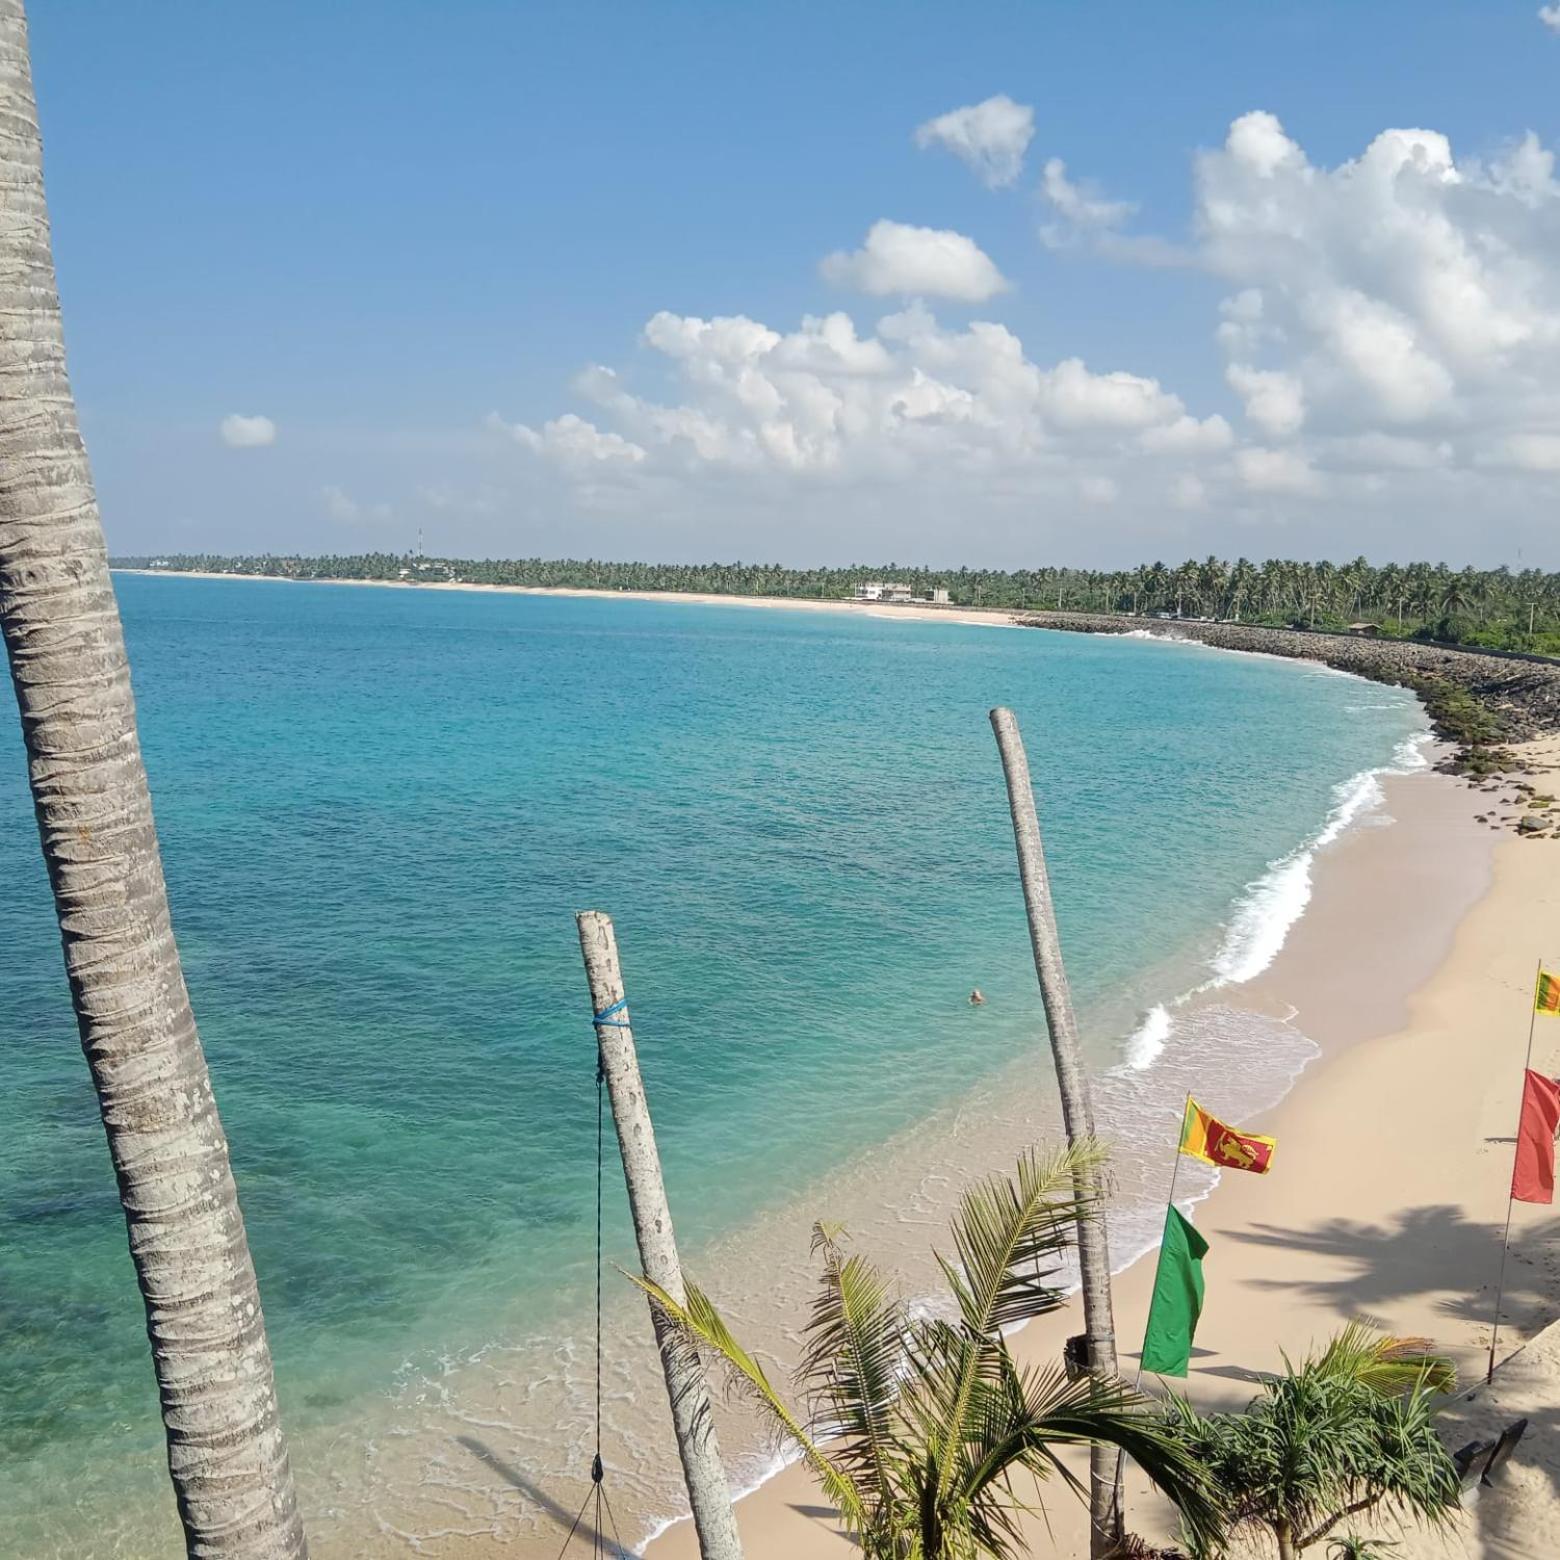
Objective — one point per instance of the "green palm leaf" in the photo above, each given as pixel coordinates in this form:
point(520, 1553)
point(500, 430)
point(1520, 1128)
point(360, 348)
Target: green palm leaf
point(1009, 1235)
point(1030, 1415)
point(853, 1363)
point(697, 1321)
point(1332, 1437)
point(1386, 1364)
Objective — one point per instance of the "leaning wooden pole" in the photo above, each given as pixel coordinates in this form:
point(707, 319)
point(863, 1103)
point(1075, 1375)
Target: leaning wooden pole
point(1077, 1113)
point(708, 1492)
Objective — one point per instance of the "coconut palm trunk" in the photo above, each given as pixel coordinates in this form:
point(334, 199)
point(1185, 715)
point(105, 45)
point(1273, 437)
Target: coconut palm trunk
point(709, 1494)
point(1077, 1114)
point(66, 650)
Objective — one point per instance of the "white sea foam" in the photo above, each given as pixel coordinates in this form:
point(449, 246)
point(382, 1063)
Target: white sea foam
point(1262, 921)
point(1265, 915)
point(1147, 1042)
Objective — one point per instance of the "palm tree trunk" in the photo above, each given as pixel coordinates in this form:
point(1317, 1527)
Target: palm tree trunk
point(709, 1493)
point(62, 635)
point(1077, 1112)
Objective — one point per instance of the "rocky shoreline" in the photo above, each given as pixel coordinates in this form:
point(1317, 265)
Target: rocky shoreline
point(1520, 699)
point(1478, 703)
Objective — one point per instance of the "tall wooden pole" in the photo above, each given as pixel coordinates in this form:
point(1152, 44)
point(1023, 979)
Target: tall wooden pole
point(708, 1492)
point(1077, 1113)
point(1511, 1193)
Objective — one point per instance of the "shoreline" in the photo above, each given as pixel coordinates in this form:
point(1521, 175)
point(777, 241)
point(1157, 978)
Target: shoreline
point(1517, 697)
point(1396, 1126)
point(915, 612)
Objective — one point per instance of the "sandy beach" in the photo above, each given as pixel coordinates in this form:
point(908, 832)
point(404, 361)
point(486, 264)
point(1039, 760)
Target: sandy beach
point(915, 612)
point(1414, 971)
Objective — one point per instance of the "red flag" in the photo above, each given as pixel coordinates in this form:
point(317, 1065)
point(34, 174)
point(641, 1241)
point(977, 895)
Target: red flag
point(1533, 1178)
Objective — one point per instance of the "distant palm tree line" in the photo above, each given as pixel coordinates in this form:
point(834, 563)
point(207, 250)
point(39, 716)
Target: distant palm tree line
point(1497, 608)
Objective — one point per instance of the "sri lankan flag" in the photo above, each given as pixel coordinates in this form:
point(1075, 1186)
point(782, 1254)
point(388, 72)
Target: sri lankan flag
point(1205, 1137)
point(1546, 996)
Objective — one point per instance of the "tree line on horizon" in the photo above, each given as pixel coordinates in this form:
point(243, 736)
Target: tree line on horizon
point(1497, 609)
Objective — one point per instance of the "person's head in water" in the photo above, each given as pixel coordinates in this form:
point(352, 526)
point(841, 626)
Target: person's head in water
point(977, 998)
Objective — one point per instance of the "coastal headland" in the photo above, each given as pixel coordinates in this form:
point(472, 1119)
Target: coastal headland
point(1520, 695)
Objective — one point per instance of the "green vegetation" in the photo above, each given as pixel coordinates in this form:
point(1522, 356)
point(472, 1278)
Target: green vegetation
point(915, 1427)
point(1349, 1432)
point(1460, 718)
point(1491, 609)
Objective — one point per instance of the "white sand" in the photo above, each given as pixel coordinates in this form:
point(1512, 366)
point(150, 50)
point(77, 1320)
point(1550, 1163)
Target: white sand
point(915, 612)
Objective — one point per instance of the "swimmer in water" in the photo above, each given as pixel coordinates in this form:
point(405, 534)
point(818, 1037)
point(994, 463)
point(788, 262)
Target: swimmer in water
point(977, 998)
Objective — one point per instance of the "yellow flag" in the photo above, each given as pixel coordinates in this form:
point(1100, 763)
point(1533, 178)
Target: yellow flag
point(1207, 1138)
point(1546, 996)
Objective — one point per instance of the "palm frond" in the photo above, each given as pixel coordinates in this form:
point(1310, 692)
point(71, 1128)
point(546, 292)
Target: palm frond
point(1329, 1439)
point(697, 1321)
point(1026, 1417)
point(1009, 1233)
point(1388, 1365)
point(853, 1363)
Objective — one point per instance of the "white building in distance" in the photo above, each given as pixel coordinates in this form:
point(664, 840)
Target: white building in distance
point(897, 590)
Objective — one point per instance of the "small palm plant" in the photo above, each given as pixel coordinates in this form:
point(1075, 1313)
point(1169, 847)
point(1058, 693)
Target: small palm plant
point(1352, 1547)
point(916, 1426)
point(1349, 1431)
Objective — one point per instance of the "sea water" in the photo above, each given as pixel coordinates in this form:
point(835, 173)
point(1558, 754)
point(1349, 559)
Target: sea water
point(379, 810)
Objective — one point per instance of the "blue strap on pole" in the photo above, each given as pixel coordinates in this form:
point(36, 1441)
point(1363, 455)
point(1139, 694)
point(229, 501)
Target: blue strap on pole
point(605, 1016)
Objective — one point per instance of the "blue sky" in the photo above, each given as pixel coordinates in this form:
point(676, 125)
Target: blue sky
point(400, 232)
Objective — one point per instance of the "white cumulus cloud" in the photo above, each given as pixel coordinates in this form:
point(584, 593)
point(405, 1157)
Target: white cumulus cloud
point(1080, 206)
point(1401, 290)
point(1188, 491)
point(1549, 15)
point(1075, 398)
point(1274, 400)
point(247, 433)
point(916, 262)
point(990, 137)
point(1274, 471)
point(909, 401)
point(1390, 329)
point(571, 441)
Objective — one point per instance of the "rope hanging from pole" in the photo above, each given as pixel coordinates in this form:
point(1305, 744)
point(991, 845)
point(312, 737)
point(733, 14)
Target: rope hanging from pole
point(596, 1501)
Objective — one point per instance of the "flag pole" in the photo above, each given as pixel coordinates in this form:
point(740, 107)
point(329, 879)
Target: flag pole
point(1511, 1191)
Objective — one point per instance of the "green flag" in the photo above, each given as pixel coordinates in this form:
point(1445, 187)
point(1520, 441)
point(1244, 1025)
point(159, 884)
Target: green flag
point(1178, 1298)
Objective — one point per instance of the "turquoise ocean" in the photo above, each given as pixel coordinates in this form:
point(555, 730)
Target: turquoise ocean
point(379, 811)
